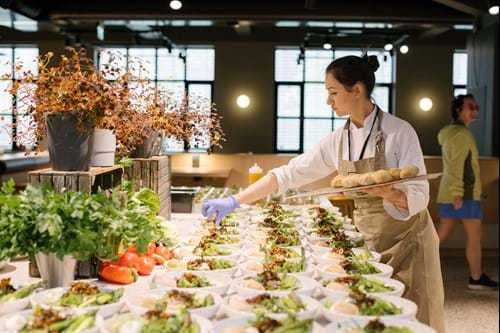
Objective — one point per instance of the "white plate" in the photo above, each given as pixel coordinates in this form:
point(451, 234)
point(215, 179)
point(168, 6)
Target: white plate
point(4, 320)
point(398, 286)
point(230, 307)
point(228, 271)
point(48, 296)
point(254, 267)
point(205, 326)
point(3, 264)
point(18, 304)
point(187, 252)
point(222, 325)
point(409, 309)
point(322, 257)
point(385, 271)
point(348, 325)
point(306, 286)
point(166, 280)
point(140, 302)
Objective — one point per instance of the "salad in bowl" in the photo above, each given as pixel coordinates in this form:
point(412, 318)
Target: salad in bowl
point(354, 266)
point(223, 266)
point(155, 321)
point(40, 320)
point(379, 325)
point(267, 325)
point(200, 281)
point(202, 303)
point(81, 295)
point(14, 296)
point(343, 285)
point(276, 307)
point(361, 305)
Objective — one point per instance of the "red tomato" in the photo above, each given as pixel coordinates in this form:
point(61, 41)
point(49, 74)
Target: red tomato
point(163, 252)
point(129, 259)
point(147, 265)
point(118, 274)
point(151, 249)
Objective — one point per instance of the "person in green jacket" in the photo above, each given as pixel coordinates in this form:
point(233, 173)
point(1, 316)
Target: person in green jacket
point(460, 188)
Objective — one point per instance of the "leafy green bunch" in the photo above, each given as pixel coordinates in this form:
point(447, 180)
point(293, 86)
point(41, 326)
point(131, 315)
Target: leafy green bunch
point(39, 219)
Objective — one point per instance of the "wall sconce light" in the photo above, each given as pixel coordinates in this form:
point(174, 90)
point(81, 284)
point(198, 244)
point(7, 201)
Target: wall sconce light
point(404, 49)
point(425, 104)
point(243, 101)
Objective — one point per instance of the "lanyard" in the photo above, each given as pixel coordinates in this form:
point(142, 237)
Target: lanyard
point(366, 140)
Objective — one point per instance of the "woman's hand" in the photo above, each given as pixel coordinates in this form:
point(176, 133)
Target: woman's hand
point(389, 193)
point(458, 203)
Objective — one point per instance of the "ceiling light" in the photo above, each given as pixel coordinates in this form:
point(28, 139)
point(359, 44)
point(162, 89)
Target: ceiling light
point(404, 49)
point(243, 101)
point(388, 47)
point(175, 4)
point(493, 10)
point(327, 46)
point(425, 104)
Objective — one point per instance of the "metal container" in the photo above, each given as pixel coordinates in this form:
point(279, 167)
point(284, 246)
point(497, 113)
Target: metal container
point(57, 273)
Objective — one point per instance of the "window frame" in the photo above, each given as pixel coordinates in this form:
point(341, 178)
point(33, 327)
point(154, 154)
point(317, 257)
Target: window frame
point(302, 118)
point(14, 147)
point(457, 86)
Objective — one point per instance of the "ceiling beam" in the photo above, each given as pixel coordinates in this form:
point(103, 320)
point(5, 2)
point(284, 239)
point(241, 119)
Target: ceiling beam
point(470, 7)
point(311, 4)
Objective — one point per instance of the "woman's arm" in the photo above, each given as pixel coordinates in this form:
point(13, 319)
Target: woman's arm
point(261, 188)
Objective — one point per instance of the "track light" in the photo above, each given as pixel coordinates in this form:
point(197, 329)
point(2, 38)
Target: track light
point(175, 4)
point(493, 10)
point(388, 47)
point(327, 45)
point(404, 49)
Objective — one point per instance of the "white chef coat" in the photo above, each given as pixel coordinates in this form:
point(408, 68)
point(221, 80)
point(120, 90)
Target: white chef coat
point(402, 148)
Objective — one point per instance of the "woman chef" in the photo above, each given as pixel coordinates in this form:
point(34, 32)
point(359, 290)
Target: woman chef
point(393, 219)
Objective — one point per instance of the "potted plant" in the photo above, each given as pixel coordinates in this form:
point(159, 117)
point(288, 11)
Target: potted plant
point(64, 103)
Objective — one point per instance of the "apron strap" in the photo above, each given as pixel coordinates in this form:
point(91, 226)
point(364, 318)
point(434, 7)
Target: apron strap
point(379, 145)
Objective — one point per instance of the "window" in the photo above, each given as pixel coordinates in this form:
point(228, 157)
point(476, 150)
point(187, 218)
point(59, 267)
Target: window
point(302, 115)
point(459, 72)
point(182, 70)
point(9, 56)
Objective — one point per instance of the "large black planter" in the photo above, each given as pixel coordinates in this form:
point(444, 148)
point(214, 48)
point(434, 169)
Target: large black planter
point(150, 146)
point(70, 143)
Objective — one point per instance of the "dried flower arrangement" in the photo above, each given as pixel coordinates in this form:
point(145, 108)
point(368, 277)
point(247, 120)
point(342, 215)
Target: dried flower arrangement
point(113, 98)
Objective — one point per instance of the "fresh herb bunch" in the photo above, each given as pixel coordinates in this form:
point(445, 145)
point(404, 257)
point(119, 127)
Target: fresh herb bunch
point(40, 220)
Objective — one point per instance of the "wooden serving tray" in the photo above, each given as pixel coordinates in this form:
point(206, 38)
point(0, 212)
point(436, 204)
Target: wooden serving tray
point(333, 190)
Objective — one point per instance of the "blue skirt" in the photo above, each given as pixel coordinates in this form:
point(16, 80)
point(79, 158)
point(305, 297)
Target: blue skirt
point(471, 209)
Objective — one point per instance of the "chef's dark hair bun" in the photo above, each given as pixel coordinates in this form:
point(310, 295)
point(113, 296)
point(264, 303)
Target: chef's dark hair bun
point(372, 62)
point(350, 70)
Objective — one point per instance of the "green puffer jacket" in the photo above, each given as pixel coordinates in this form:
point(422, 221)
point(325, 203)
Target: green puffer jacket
point(460, 164)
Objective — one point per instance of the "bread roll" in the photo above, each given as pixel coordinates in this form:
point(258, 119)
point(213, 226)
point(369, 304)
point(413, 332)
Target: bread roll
point(252, 284)
point(395, 173)
point(335, 268)
point(409, 171)
point(337, 181)
point(367, 179)
point(255, 266)
point(337, 286)
point(382, 176)
point(351, 181)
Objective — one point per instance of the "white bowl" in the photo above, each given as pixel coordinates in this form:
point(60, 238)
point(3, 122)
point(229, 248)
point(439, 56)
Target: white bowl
point(385, 271)
point(351, 235)
point(306, 286)
point(138, 302)
point(4, 321)
point(18, 304)
point(166, 280)
point(322, 257)
point(398, 286)
point(409, 309)
point(255, 253)
point(48, 296)
point(187, 252)
point(222, 325)
point(348, 325)
point(228, 271)
point(205, 326)
point(230, 307)
point(255, 266)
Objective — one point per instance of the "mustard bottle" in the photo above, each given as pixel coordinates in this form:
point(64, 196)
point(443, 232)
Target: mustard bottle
point(254, 174)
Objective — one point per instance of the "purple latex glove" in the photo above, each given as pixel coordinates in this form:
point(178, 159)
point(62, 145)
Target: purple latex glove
point(221, 206)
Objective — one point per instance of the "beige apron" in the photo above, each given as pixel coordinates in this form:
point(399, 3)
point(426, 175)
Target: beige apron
point(411, 247)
